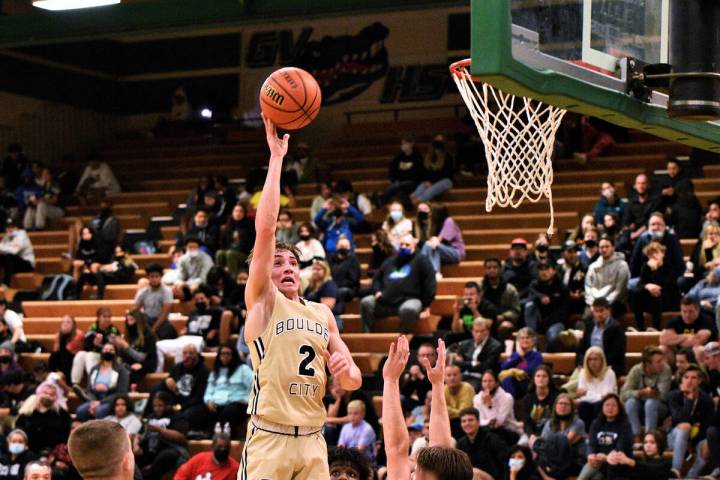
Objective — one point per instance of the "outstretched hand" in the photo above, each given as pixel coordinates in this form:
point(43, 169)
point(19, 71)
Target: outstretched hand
point(278, 146)
point(436, 374)
point(396, 360)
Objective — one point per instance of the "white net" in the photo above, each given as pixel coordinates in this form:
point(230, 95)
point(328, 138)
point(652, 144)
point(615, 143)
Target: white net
point(519, 136)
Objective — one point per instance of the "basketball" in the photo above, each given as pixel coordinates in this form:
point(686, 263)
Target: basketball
point(291, 98)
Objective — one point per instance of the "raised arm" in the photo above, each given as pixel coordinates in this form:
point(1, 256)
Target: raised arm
point(259, 281)
point(397, 441)
point(440, 435)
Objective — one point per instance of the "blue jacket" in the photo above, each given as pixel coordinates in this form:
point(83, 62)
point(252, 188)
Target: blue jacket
point(602, 208)
point(24, 192)
point(703, 290)
point(222, 390)
point(326, 222)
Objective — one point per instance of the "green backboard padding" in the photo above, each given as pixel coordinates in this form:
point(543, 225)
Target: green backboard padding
point(493, 62)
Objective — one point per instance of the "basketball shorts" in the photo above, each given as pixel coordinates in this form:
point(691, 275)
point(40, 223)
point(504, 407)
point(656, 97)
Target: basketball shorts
point(282, 452)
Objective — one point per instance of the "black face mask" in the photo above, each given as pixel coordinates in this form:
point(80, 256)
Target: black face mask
point(221, 454)
point(422, 216)
point(201, 306)
point(105, 212)
point(542, 248)
point(590, 243)
point(564, 417)
point(305, 237)
point(5, 360)
point(438, 145)
point(107, 356)
point(337, 212)
point(344, 252)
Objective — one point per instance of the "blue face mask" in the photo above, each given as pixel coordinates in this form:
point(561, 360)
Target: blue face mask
point(656, 235)
point(516, 463)
point(16, 448)
point(404, 252)
point(396, 215)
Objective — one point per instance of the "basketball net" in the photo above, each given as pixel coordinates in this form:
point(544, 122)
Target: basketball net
point(519, 136)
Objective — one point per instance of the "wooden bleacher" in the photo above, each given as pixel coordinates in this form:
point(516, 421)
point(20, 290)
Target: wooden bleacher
point(159, 174)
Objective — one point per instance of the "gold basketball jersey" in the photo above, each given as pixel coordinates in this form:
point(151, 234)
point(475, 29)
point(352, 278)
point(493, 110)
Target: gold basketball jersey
point(289, 366)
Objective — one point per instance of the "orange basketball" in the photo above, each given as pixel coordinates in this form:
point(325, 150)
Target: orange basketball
point(291, 98)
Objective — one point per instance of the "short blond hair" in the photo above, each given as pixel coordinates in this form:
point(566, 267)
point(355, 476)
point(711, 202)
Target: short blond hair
point(357, 405)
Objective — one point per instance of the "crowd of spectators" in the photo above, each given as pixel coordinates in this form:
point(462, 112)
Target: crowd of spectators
point(508, 409)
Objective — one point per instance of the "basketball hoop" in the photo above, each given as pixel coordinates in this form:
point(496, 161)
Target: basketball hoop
point(519, 136)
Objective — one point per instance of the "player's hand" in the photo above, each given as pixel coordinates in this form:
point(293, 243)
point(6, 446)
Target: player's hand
point(337, 363)
point(425, 314)
point(397, 359)
point(278, 146)
point(436, 374)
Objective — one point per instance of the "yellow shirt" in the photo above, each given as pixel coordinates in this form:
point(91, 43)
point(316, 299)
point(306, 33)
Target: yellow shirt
point(463, 399)
point(255, 200)
point(289, 367)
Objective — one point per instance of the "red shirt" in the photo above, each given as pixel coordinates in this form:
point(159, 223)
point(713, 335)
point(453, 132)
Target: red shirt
point(203, 467)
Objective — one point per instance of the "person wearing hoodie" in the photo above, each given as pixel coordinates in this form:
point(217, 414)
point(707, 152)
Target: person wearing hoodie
point(12, 464)
point(603, 331)
point(608, 203)
point(16, 252)
point(546, 310)
point(610, 434)
point(503, 295)
point(193, 268)
point(519, 269)
point(336, 219)
point(405, 285)
point(608, 278)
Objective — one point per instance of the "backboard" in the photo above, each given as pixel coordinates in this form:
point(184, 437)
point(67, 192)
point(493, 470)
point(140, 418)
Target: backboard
point(572, 54)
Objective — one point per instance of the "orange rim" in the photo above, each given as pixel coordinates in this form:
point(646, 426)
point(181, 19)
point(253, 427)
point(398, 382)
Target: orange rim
point(461, 68)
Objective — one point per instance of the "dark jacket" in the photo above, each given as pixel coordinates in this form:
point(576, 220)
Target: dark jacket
point(45, 430)
point(406, 168)
point(673, 254)
point(401, 279)
point(145, 355)
point(238, 236)
point(637, 214)
point(608, 436)
point(15, 469)
point(487, 360)
point(614, 344)
point(191, 383)
point(557, 309)
point(652, 468)
point(488, 452)
point(520, 276)
point(209, 236)
point(575, 279)
point(603, 207)
point(683, 410)
point(345, 271)
point(106, 235)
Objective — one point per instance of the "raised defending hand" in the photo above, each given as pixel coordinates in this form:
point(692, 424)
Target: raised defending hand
point(337, 363)
point(278, 146)
point(436, 374)
point(397, 359)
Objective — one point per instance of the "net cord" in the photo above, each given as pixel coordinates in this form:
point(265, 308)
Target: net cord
point(519, 140)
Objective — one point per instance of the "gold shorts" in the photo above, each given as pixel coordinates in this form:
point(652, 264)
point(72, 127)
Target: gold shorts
point(281, 452)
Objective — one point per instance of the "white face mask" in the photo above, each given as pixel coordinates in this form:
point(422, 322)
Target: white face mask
point(396, 215)
point(516, 463)
point(193, 253)
point(16, 448)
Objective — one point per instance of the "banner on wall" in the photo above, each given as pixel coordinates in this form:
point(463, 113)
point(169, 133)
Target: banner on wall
point(371, 60)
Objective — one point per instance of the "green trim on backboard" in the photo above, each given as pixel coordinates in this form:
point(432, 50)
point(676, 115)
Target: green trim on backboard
point(493, 62)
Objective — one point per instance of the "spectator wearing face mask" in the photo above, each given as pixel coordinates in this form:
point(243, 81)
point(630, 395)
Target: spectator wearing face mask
point(202, 330)
point(16, 252)
point(345, 268)
point(43, 419)
point(609, 203)
point(216, 464)
point(396, 225)
point(335, 221)
point(658, 232)
point(108, 378)
point(405, 285)
point(193, 268)
point(309, 247)
point(286, 231)
point(120, 270)
point(12, 464)
point(589, 251)
point(206, 231)
point(437, 172)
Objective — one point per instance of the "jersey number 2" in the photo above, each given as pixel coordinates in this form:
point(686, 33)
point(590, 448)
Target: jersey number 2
point(309, 353)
